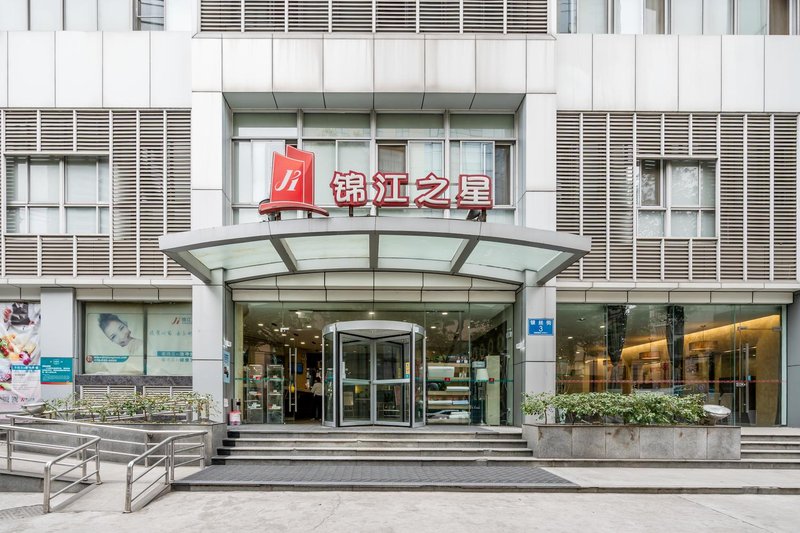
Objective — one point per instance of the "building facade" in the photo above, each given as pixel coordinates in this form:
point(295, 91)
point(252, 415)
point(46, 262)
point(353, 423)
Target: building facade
point(642, 157)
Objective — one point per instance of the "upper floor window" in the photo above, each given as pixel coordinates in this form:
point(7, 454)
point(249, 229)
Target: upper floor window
point(684, 17)
point(676, 198)
point(56, 196)
point(81, 15)
point(150, 15)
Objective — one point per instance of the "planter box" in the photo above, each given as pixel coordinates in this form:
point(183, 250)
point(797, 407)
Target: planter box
point(559, 441)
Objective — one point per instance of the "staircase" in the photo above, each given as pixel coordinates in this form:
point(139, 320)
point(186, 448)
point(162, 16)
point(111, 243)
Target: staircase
point(777, 445)
point(371, 446)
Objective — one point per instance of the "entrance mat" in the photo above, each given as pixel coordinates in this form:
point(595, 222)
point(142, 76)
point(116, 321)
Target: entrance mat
point(399, 476)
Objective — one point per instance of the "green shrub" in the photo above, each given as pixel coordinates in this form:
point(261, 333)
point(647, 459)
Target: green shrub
point(608, 407)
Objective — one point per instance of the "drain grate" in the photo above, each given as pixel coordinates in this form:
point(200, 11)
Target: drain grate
point(16, 513)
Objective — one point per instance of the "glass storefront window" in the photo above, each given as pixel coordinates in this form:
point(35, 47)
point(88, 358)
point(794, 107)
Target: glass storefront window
point(335, 125)
point(467, 362)
point(409, 125)
point(137, 339)
point(731, 354)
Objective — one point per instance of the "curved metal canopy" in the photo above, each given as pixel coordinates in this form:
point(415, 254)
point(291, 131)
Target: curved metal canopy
point(499, 252)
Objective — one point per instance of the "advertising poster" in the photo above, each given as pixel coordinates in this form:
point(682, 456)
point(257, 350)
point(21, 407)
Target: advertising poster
point(19, 355)
point(114, 339)
point(169, 340)
point(56, 370)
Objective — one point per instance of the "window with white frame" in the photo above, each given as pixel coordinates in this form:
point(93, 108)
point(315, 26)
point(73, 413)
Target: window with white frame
point(150, 15)
point(683, 17)
point(412, 143)
point(676, 198)
point(57, 195)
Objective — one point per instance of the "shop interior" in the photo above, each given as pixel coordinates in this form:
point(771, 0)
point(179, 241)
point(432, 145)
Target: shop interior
point(278, 354)
point(731, 354)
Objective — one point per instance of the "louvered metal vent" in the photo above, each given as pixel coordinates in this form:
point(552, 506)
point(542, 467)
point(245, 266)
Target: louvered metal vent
point(395, 16)
point(149, 154)
point(264, 15)
point(222, 15)
point(434, 16)
point(757, 208)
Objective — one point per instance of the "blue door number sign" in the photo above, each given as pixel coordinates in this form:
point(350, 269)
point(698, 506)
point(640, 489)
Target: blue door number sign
point(540, 326)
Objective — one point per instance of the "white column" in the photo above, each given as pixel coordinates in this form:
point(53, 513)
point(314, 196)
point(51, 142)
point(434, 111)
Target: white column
point(211, 125)
point(209, 322)
point(535, 361)
point(57, 335)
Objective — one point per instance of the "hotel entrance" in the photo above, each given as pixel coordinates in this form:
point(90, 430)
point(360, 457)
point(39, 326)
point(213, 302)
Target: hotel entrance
point(373, 374)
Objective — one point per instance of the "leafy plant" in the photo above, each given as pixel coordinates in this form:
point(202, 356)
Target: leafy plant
point(607, 407)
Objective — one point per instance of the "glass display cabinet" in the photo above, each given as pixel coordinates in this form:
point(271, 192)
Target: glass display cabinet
point(254, 394)
point(274, 391)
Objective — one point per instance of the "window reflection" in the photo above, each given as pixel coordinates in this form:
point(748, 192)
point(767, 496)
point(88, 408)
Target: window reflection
point(731, 354)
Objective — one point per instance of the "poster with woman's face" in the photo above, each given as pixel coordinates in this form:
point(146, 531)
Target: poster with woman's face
point(114, 339)
point(19, 354)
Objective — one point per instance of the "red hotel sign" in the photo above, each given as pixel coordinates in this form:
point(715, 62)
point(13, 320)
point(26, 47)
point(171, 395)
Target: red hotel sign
point(293, 188)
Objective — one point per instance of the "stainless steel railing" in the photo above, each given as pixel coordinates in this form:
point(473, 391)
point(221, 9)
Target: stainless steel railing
point(167, 458)
point(84, 457)
point(135, 442)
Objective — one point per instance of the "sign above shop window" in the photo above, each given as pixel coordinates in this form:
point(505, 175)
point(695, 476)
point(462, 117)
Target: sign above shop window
point(293, 188)
point(540, 326)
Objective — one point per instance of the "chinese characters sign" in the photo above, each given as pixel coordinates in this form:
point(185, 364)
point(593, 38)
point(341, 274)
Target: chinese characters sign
point(540, 326)
point(350, 190)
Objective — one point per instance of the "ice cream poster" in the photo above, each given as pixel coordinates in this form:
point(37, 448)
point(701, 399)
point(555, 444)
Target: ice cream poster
point(19, 355)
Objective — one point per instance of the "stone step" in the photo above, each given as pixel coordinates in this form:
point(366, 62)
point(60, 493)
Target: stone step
point(243, 451)
point(398, 434)
point(504, 461)
point(777, 445)
point(375, 443)
point(771, 454)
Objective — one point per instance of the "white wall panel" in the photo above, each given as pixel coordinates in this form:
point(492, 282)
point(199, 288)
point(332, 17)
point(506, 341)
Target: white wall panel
point(170, 69)
point(206, 64)
point(656, 72)
point(399, 65)
point(45, 15)
point(126, 69)
point(782, 75)
point(540, 209)
point(13, 15)
point(614, 68)
point(500, 76)
point(3, 69)
point(31, 69)
point(297, 65)
point(79, 69)
point(450, 65)
point(541, 66)
point(742, 73)
point(247, 65)
point(699, 72)
point(538, 140)
point(80, 15)
point(348, 65)
point(208, 207)
point(180, 15)
point(115, 15)
point(574, 71)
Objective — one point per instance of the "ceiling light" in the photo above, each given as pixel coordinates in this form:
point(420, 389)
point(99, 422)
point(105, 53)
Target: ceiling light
point(316, 336)
point(569, 338)
point(602, 327)
point(260, 325)
point(302, 342)
point(292, 340)
point(308, 326)
point(276, 330)
point(444, 312)
point(371, 313)
point(433, 327)
point(283, 334)
point(286, 345)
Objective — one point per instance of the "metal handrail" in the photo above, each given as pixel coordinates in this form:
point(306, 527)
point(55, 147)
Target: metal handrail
point(167, 459)
point(147, 434)
point(49, 478)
